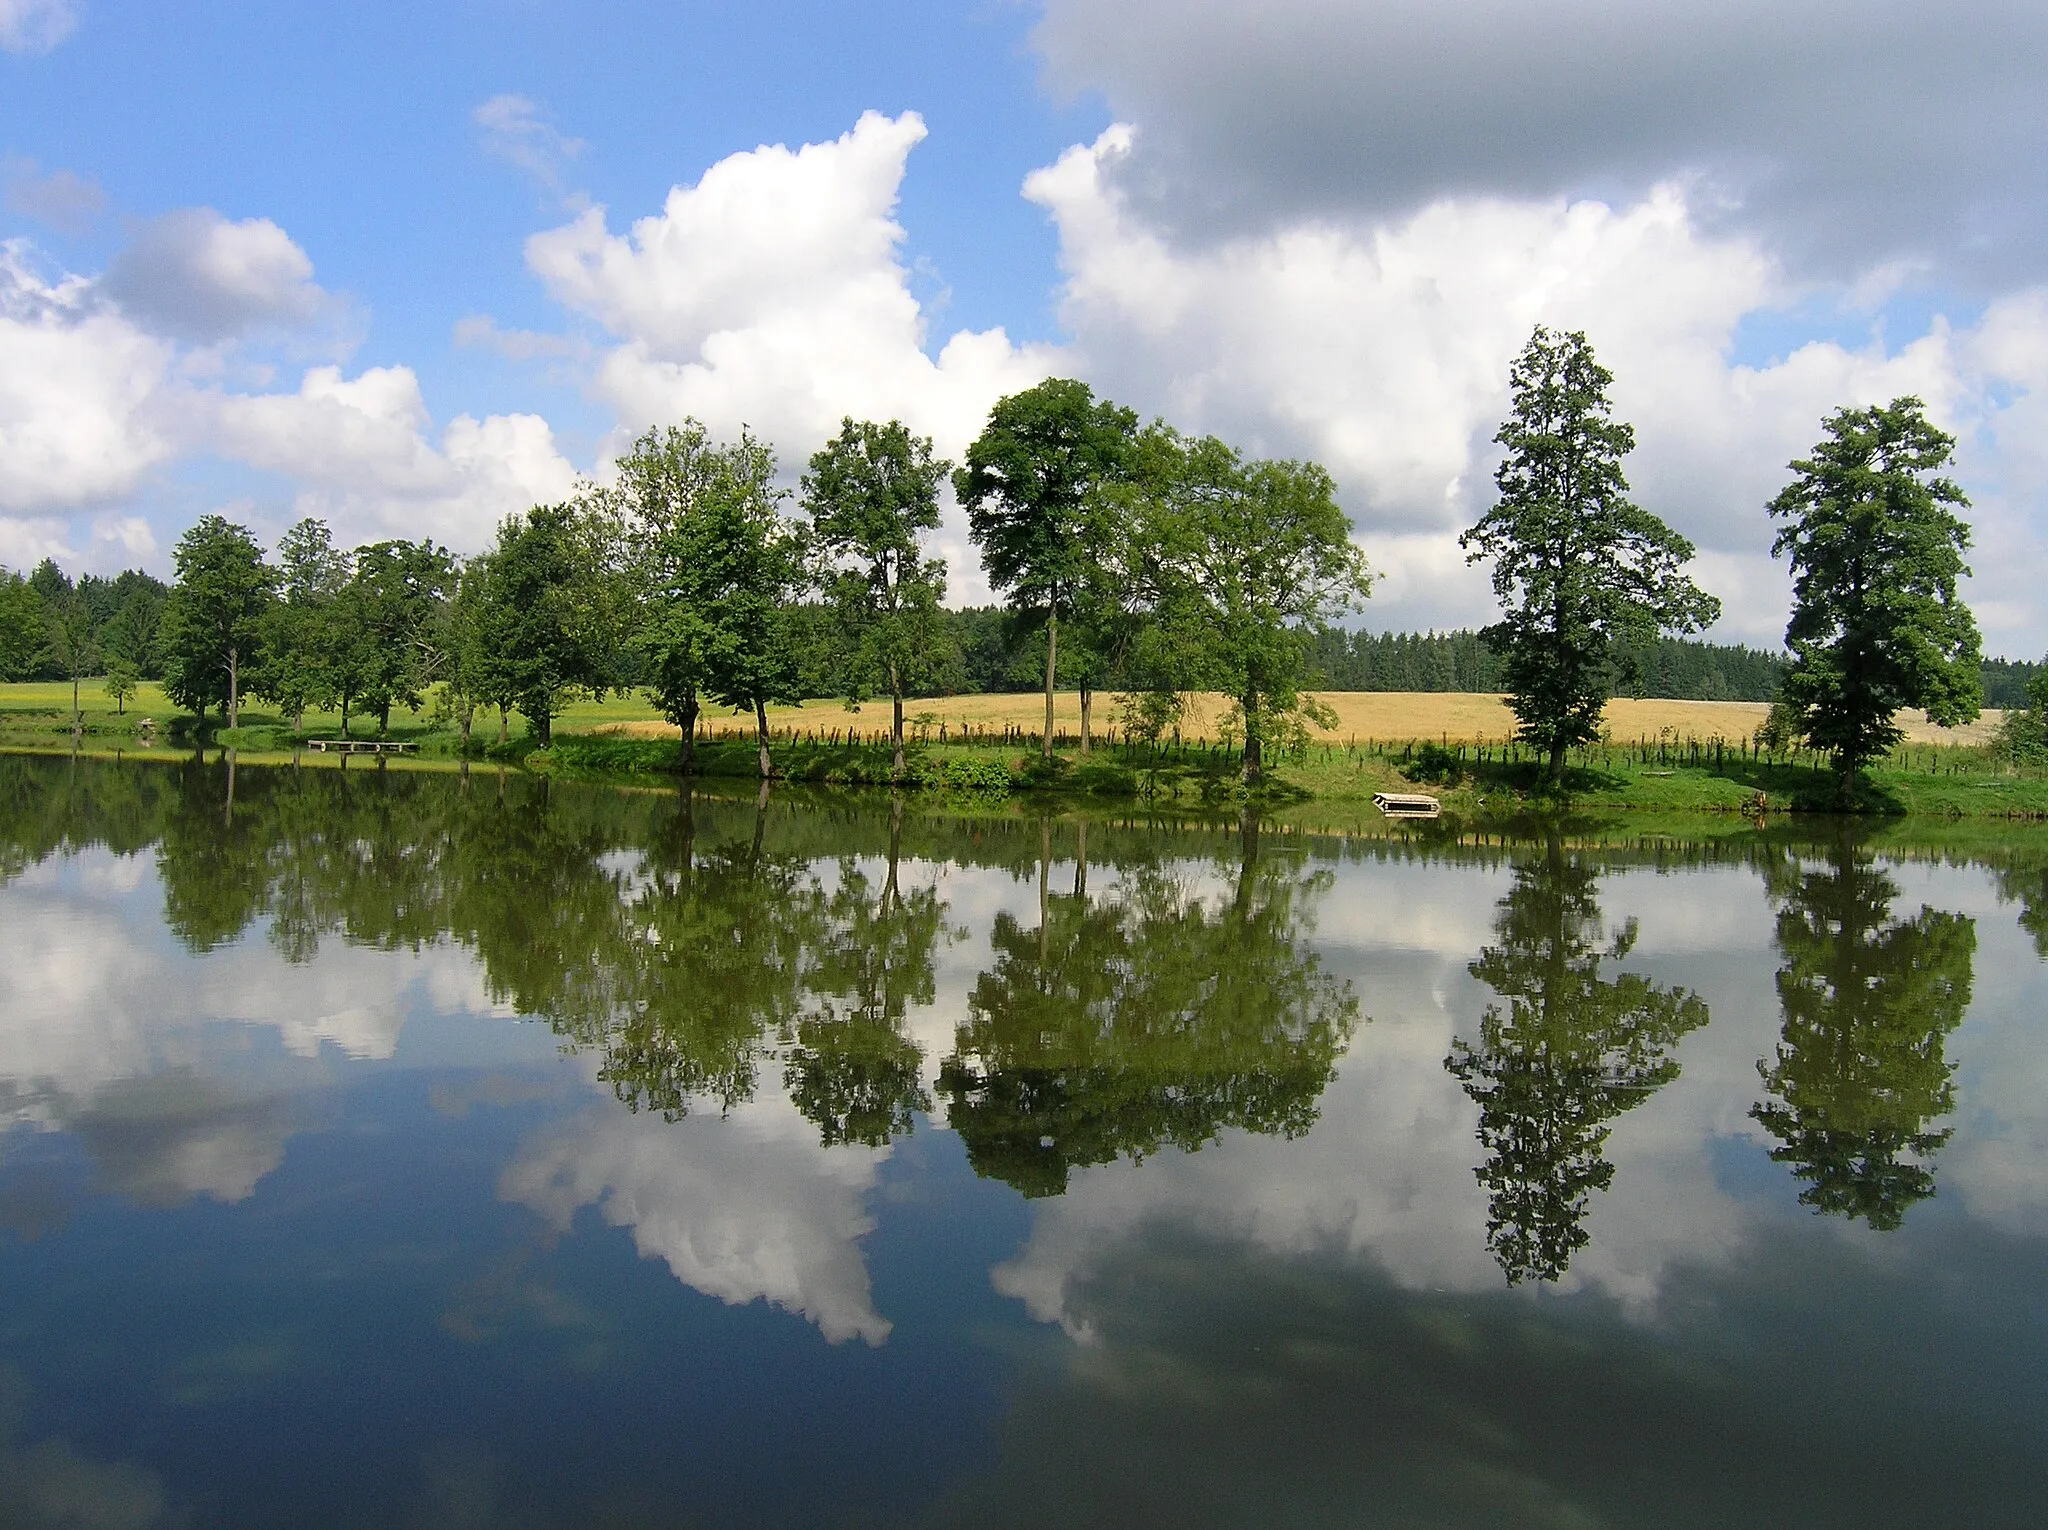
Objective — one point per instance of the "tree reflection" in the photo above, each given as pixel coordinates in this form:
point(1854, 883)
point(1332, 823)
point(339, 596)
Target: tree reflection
point(1145, 1018)
point(1861, 1070)
point(852, 1070)
point(1569, 1052)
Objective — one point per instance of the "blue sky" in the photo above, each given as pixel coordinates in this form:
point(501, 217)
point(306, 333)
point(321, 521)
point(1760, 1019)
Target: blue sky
point(380, 263)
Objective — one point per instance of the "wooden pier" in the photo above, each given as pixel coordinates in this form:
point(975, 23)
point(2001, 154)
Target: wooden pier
point(1406, 805)
point(360, 746)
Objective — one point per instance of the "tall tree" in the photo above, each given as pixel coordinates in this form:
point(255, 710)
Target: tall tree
point(872, 494)
point(212, 624)
point(300, 637)
point(1579, 569)
point(394, 603)
point(22, 626)
point(546, 610)
point(1861, 1071)
point(73, 646)
point(1876, 547)
point(1251, 560)
point(681, 493)
point(1571, 1050)
point(752, 566)
point(1031, 486)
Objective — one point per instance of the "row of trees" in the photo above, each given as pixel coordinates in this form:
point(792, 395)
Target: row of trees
point(1170, 563)
point(1137, 557)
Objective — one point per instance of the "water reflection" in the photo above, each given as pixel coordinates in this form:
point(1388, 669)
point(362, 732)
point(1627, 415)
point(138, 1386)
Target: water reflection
point(1146, 1017)
point(1570, 1051)
point(299, 1225)
point(1862, 1071)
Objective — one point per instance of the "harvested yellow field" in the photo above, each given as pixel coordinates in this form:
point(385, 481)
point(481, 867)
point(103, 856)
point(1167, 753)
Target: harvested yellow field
point(1361, 715)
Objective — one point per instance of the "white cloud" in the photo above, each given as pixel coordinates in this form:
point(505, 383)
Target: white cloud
point(359, 447)
point(197, 276)
point(78, 384)
point(770, 293)
point(35, 26)
point(744, 1208)
point(1382, 350)
point(91, 403)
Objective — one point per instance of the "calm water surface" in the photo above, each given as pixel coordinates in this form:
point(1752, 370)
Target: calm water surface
point(398, 1149)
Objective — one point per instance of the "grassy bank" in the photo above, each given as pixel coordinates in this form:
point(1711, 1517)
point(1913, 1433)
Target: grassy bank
point(984, 747)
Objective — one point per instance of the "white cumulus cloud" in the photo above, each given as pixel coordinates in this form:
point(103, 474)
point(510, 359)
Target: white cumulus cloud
point(772, 293)
point(198, 276)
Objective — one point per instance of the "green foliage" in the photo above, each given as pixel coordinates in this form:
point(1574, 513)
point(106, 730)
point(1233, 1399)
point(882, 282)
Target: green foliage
point(1032, 488)
point(1244, 562)
point(1876, 548)
point(305, 634)
point(71, 640)
point(545, 610)
point(121, 683)
point(213, 622)
point(872, 494)
point(21, 626)
point(1572, 1050)
point(1580, 570)
point(2023, 736)
point(1861, 1071)
point(1434, 765)
point(392, 606)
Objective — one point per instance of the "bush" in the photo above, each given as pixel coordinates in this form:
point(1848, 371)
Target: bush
point(1434, 765)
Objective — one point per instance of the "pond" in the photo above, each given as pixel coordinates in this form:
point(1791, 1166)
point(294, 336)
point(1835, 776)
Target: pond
point(390, 1148)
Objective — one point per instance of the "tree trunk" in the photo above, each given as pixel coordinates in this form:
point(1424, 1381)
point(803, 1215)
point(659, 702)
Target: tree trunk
point(761, 735)
point(1254, 745)
point(344, 714)
point(1052, 657)
point(74, 704)
point(466, 717)
point(504, 723)
point(896, 726)
point(1044, 898)
point(1557, 752)
point(384, 717)
point(1087, 705)
point(890, 895)
point(689, 759)
point(299, 718)
point(234, 686)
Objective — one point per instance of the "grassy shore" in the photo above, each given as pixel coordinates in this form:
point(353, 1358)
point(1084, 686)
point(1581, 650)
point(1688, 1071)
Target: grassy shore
point(1695, 759)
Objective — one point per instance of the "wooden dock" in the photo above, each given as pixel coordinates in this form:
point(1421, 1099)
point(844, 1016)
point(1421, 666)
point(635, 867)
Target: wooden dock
point(1407, 805)
point(360, 746)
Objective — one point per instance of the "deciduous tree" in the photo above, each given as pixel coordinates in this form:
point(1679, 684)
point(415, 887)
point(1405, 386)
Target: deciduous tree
point(1249, 561)
point(1876, 547)
point(1579, 569)
point(212, 623)
point(872, 494)
point(1031, 485)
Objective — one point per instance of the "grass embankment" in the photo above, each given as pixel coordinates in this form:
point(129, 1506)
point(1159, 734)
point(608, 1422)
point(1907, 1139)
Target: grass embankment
point(1668, 757)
